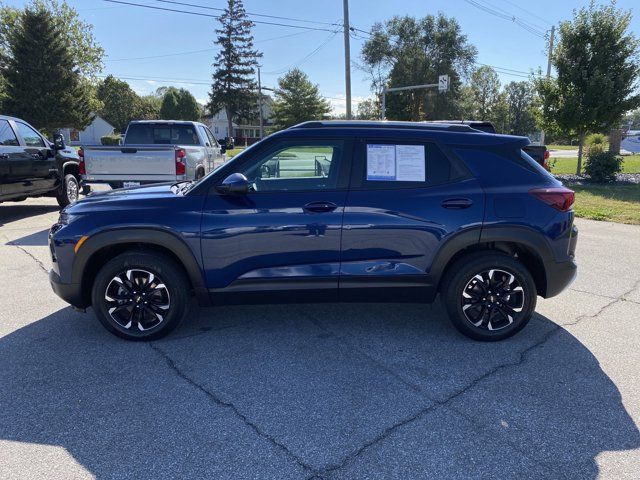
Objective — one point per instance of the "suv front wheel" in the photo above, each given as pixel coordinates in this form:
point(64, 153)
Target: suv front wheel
point(489, 296)
point(140, 295)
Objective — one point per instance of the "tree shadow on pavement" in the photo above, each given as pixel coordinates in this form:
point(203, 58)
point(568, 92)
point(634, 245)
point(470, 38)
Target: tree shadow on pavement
point(285, 391)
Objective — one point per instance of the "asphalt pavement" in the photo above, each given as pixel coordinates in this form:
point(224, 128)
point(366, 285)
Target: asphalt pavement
point(320, 391)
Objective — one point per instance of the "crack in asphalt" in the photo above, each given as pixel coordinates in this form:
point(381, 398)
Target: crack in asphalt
point(40, 264)
point(523, 355)
point(606, 296)
point(229, 405)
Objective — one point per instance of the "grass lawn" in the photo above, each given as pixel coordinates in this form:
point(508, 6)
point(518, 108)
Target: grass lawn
point(232, 153)
point(613, 203)
point(630, 164)
point(562, 147)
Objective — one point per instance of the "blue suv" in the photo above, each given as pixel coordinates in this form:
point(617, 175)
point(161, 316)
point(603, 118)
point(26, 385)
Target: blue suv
point(329, 211)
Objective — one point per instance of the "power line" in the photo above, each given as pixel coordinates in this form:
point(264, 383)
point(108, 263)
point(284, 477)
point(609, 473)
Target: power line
point(505, 16)
point(216, 17)
point(306, 57)
point(529, 12)
point(190, 52)
point(206, 7)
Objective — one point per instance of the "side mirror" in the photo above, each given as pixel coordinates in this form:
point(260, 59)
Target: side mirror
point(58, 141)
point(234, 184)
point(223, 149)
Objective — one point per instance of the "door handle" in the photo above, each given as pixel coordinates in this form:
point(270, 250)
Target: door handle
point(319, 207)
point(457, 203)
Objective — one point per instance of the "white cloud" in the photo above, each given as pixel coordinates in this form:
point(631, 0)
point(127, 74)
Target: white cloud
point(339, 103)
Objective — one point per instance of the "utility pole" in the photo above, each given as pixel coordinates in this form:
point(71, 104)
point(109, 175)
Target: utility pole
point(260, 105)
point(347, 57)
point(551, 38)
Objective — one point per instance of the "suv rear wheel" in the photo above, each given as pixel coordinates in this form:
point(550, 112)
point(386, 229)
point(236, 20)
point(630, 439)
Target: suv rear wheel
point(140, 295)
point(489, 296)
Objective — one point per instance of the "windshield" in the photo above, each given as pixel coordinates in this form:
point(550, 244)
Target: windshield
point(161, 134)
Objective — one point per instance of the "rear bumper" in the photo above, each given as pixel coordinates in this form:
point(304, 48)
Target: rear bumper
point(69, 292)
point(559, 276)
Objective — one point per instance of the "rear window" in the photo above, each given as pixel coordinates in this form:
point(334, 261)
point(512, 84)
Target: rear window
point(159, 134)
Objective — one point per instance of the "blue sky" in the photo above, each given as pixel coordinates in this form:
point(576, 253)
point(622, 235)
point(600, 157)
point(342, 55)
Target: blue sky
point(128, 32)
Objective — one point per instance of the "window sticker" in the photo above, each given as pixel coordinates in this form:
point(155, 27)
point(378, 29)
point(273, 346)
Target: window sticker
point(410, 164)
point(396, 163)
point(381, 162)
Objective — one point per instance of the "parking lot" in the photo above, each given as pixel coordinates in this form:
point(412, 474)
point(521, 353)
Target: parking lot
point(320, 391)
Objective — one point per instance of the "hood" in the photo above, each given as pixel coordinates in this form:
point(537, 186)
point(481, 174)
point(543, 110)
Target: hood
point(124, 197)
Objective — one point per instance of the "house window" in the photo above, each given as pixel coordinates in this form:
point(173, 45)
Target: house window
point(74, 136)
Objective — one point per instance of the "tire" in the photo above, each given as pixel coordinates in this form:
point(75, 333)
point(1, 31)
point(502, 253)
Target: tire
point(199, 174)
point(124, 285)
point(499, 290)
point(70, 190)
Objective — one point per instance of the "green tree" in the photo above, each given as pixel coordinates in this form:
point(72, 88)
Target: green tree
point(522, 102)
point(597, 67)
point(368, 109)
point(120, 103)
point(234, 88)
point(169, 108)
point(298, 100)
point(42, 81)
point(410, 51)
point(78, 36)
point(485, 86)
point(187, 107)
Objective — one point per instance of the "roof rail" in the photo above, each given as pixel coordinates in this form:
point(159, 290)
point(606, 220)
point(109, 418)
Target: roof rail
point(386, 124)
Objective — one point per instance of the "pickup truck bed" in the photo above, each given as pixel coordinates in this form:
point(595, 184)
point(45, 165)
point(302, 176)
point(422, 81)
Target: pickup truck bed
point(153, 152)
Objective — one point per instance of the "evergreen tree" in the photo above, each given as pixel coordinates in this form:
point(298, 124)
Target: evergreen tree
point(42, 82)
point(169, 107)
point(234, 88)
point(298, 100)
point(187, 107)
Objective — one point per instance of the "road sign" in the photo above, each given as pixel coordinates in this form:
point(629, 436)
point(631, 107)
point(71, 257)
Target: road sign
point(443, 83)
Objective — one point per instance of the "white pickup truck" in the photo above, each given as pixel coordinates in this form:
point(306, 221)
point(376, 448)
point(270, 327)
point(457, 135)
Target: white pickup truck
point(153, 151)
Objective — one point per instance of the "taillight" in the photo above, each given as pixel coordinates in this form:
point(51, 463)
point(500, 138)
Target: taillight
point(180, 165)
point(82, 170)
point(560, 198)
point(546, 155)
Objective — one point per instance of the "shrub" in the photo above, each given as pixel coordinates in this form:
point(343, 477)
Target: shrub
point(110, 140)
point(602, 166)
point(595, 143)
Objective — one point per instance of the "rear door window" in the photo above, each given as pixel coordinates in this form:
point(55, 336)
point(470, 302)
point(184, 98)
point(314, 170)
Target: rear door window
point(407, 164)
point(161, 134)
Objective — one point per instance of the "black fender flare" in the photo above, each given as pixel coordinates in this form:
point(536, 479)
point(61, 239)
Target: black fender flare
point(142, 235)
point(533, 240)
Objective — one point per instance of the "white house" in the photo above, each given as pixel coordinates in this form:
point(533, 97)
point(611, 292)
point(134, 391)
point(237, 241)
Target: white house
point(90, 135)
point(219, 125)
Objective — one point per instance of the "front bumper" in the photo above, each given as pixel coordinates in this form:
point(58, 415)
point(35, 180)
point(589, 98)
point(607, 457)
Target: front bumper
point(69, 292)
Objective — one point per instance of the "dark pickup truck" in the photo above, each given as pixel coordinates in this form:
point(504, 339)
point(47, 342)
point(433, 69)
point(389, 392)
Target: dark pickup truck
point(31, 166)
point(539, 153)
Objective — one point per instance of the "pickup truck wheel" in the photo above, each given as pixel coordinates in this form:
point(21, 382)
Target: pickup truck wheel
point(70, 189)
point(140, 295)
point(489, 296)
